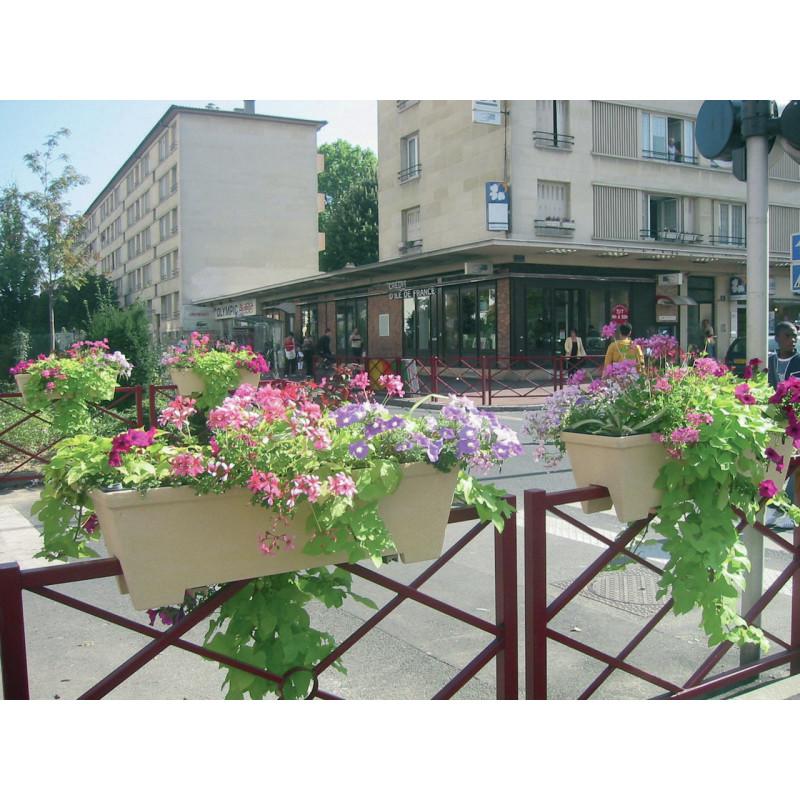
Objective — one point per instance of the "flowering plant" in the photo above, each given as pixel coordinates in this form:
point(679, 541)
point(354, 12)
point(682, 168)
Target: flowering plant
point(289, 446)
point(86, 372)
point(720, 433)
point(216, 362)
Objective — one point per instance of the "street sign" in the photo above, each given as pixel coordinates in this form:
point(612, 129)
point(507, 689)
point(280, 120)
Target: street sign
point(796, 278)
point(796, 247)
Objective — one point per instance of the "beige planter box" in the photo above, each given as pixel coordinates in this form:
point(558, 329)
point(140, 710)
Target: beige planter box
point(189, 382)
point(172, 540)
point(625, 465)
point(22, 380)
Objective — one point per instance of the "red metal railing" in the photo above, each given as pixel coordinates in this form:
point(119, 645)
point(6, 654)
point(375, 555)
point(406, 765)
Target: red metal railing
point(502, 648)
point(27, 463)
point(539, 615)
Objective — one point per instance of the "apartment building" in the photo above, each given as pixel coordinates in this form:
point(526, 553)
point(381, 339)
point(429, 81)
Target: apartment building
point(506, 224)
point(210, 202)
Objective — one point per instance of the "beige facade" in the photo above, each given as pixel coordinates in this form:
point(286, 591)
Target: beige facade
point(211, 203)
point(593, 187)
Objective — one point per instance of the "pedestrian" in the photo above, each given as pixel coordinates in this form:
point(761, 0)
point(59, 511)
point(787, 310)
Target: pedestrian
point(573, 347)
point(782, 364)
point(356, 344)
point(308, 353)
point(623, 349)
point(709, 342)
point(785, 362)
point(324, 348)
point(290, 351)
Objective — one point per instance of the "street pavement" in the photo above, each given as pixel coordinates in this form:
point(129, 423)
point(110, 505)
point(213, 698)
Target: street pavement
point(414, 651)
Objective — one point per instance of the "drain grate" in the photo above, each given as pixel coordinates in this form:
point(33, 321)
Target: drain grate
point(633, 589)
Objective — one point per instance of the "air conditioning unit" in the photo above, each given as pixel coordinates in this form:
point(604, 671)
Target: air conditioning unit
point(672, 279)
point(477, 269)
point(402, 245)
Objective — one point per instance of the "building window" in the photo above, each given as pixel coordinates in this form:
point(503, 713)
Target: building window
point(411, 227)
point(552, 124)
point(168, 224)
point(171, 305)
point(470, 320)
point(351, 314)
point(167, 143)
point(310, 322)
point(169, 265)
point(730, 225)
point(409, 158)
point(668, 138)
point(553, 207)
point(168, 184)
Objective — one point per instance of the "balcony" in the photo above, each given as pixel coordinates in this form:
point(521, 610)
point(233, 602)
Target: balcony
point(723, 240)
point(670, 235)
point(409, 173)
point(552, 226)
point(558, 141)
point(663, 155)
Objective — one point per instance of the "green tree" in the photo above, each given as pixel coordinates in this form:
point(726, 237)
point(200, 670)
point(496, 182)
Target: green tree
point(352, 234)
point(127, 330)
point(18, 263)
point(63, 261)
point(350, 218)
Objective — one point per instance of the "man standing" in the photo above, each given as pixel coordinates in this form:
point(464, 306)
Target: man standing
point(785, 363)
point(623, 349)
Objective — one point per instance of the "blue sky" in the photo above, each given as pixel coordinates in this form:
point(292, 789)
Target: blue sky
point(103, 133)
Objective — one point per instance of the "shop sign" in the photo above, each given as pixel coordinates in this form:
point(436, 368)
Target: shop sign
point(619, 314)
point(497, 194)
point(241, 308)
point(399, 291)
point(738, 287)
point(198, 313)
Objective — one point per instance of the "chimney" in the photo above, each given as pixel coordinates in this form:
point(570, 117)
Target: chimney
point(249, 106)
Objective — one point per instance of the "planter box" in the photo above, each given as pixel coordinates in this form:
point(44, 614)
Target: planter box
point(189, 382)
point(23, 378)
point(171, 540)
point(626, 465)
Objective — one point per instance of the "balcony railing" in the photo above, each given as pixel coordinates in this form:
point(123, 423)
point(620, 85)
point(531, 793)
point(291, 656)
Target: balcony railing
point(668, 235)
point(723, 240)
point(552, 139)
point(663, 155)
point(409, 173)
point(554, 227)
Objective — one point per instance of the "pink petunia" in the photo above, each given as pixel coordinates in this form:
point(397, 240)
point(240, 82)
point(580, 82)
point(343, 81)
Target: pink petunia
point(767, 489)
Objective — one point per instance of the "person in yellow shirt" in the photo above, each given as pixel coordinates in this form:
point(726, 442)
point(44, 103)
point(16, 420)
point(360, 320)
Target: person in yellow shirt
point(623, 349)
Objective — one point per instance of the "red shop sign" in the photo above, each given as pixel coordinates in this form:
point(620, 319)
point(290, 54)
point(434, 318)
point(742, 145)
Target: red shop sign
point(619, 314)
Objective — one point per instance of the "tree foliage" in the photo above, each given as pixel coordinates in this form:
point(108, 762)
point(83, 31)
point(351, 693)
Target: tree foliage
point(18, 263)
point(62, 261)
point(127, 330)
point(350, 218)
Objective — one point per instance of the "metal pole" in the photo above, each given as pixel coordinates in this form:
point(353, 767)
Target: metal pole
point(754, 113)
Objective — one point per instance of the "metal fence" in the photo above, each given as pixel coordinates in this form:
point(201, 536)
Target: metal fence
point(502, 647)
point(543, 639)
point(26, 437)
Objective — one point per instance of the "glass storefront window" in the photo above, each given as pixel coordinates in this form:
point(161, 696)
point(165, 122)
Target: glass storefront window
point(351, 314)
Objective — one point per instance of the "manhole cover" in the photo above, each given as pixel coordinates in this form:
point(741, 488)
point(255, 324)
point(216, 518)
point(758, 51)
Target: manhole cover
point(633, 589)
